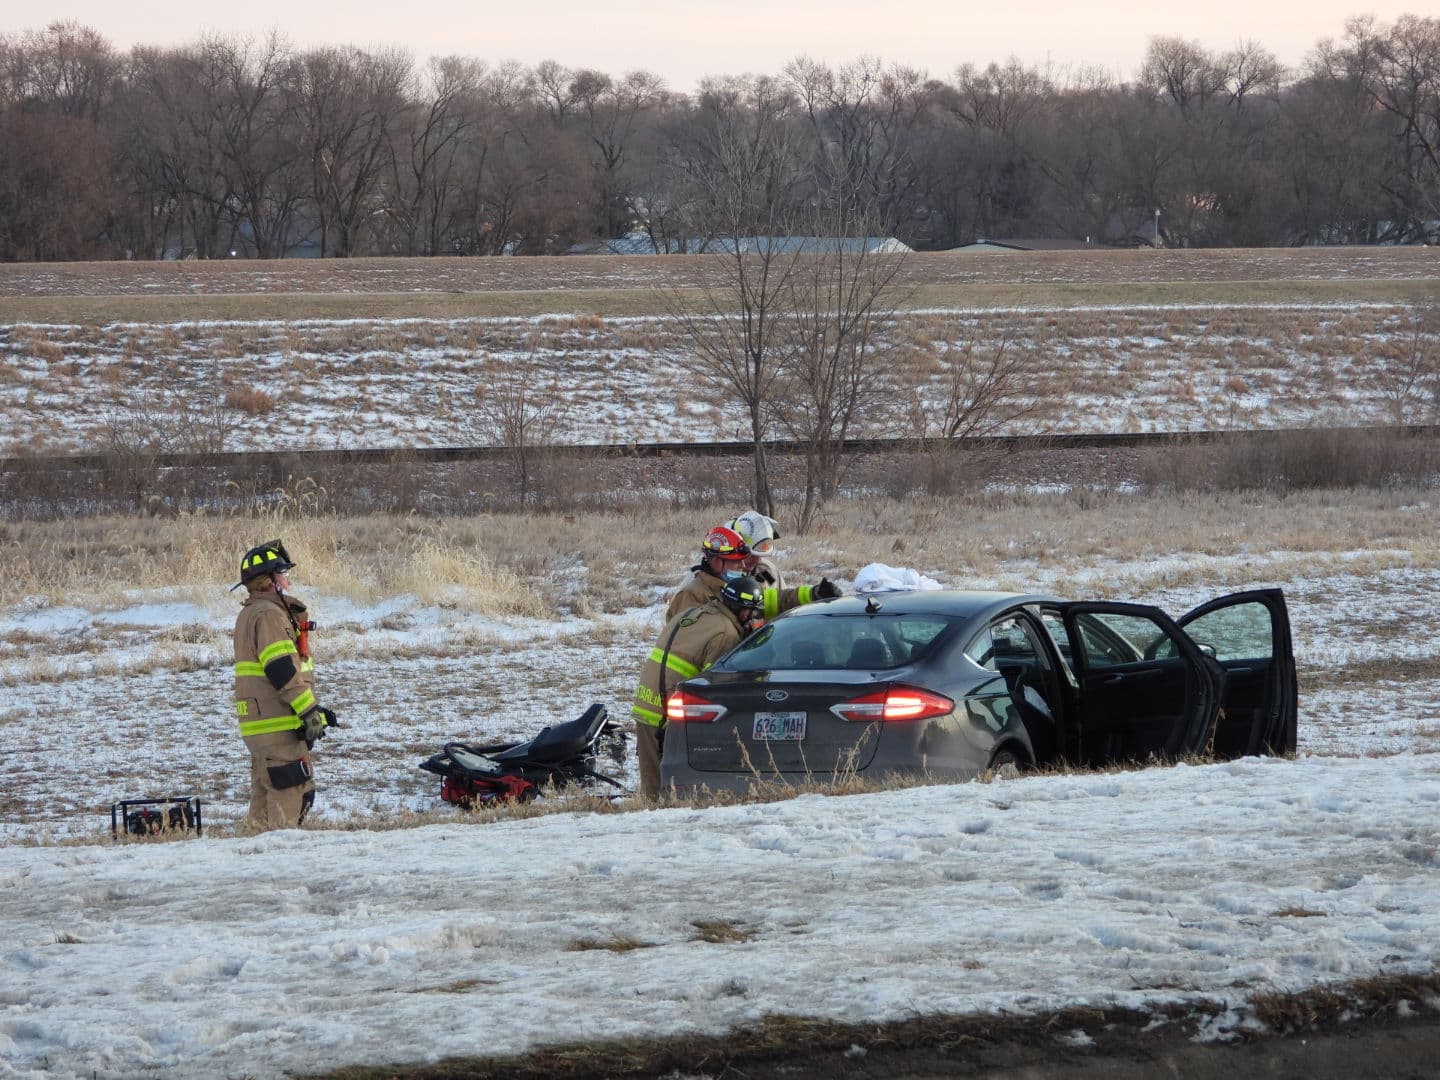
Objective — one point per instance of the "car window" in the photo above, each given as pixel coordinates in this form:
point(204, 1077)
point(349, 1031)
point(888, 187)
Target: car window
point(1109, 638)
point(856, 642)
point(1009, 638)
point(1055, 627)
point(1237, 632)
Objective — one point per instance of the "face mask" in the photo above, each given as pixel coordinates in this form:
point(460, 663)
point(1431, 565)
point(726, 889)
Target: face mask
point(732, 575)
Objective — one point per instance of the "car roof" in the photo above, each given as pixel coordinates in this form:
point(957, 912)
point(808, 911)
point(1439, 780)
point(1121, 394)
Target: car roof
point(960, 603)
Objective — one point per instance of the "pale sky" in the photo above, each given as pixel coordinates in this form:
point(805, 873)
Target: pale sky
point(682, 40)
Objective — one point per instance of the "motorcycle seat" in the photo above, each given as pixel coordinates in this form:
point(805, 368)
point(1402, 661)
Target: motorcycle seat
point(572, 739)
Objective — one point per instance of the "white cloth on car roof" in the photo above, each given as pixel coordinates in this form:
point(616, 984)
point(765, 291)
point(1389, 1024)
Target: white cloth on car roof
point(877, 577)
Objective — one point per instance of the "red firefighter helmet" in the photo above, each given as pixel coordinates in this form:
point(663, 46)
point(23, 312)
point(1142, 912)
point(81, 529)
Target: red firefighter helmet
point(725, 543)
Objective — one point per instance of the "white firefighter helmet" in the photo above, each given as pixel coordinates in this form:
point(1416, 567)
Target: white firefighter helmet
point(759, 531)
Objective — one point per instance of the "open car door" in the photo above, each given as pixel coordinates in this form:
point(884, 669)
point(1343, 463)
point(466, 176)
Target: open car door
point(1146, 689)
point(1249, 634)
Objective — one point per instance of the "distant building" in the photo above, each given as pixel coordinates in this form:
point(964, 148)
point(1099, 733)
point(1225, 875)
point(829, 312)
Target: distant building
point(1029, 244)
point(641, 244)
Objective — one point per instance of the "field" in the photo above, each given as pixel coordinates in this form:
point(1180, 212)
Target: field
point(381, 354)
point(115, 659)
point(427, 621)
point(490, 626)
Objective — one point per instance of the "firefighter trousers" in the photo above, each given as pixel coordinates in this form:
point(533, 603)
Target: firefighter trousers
point(282, 784)
point(649, 745)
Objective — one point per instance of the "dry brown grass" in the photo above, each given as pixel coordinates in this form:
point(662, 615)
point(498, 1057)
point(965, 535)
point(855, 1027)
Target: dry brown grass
point(523, 565)
point(250, 399)
point(589, 305)
point(722, 932)
point(616, 942)
point(1015, 1043)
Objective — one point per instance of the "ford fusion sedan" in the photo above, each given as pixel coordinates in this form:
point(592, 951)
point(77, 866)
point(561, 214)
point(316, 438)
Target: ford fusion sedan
point(946, 684)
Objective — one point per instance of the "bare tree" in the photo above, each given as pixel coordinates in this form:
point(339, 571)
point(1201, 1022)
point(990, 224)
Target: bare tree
point(985, 388)
point(748, 167)
point(259, 148)
point(424, 169)
point(1398, 69)
point(139, 430)
point(1409, 380)
point(865, 119)
point(522, 407)
point(55, 195)
point(347, 103)
point(612, 112)
point(1183, 73)
point(840, 302)
point(66, 68)
point(171, 127)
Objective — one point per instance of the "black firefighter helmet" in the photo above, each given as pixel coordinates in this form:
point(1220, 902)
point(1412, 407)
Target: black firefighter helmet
point(743, 592)
point(267, 558)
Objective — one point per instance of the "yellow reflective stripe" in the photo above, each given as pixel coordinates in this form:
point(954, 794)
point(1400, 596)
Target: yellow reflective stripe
point(646, 716)
point(280, 648)
point(307, 664)
point(249, 667)
point(674, 663)
point(269, 724)
point(303, 702)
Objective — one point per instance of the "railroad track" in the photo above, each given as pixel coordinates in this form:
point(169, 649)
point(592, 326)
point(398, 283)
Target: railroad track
point(322, 458)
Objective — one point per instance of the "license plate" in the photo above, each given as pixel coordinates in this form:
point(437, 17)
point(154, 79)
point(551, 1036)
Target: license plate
point(779, 726)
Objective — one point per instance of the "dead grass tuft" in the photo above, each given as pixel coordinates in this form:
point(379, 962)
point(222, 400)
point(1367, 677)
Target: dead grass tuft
point(616, 943)
point(722, 932)
point(459, 986)
point(1381, 995)
point(250, 399)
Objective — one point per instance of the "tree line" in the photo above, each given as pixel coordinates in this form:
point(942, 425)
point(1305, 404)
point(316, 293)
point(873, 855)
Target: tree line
point(253, 148)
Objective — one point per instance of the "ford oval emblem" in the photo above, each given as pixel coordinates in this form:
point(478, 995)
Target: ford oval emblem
point(776, 695)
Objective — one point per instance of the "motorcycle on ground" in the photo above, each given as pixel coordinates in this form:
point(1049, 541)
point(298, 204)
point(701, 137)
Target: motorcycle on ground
point(563, 756)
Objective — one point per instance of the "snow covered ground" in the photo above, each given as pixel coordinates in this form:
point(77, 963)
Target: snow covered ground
point(297, 951)
point(406, 677)
point(413, 382)
point(228, 957)
point(233, 957)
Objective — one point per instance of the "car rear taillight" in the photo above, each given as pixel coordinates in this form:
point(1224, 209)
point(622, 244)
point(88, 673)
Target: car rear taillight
point(683, 707)
point(895, 703)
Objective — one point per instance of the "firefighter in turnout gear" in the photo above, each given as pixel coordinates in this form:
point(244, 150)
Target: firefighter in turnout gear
point(724, 553)
point(690, 642)
point(275, 705)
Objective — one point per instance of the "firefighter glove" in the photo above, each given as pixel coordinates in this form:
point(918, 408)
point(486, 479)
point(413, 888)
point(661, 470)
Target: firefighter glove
point(329, 716)
point(827, 589)
point(314, 725)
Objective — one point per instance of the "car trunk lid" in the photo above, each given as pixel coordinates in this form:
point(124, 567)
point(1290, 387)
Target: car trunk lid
point(784, 724)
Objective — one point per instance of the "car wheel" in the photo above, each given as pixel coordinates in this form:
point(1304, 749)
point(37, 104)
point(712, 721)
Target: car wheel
point(1006, 765)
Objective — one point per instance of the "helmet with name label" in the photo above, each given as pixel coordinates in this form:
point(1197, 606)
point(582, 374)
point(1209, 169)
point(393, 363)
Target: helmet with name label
point(725, 543)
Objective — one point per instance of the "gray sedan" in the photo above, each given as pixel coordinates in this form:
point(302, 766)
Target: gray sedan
point(945, 684)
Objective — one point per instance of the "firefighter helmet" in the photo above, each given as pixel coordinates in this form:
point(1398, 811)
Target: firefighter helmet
point(725, 543)
point(743, 592)
point(267, 558)
point(759, 531)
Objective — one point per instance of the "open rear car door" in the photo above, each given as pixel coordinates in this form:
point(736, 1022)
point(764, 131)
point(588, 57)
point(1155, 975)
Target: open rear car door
point(1249, 634)
point(1146, 690)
